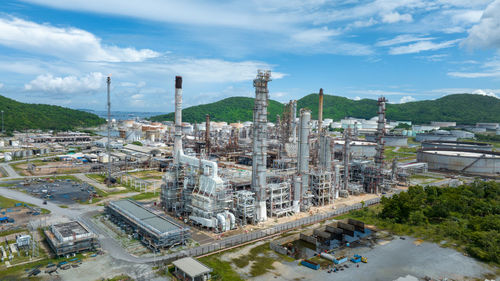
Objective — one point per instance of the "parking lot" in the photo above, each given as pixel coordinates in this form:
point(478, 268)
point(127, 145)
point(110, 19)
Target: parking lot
point(59, 191)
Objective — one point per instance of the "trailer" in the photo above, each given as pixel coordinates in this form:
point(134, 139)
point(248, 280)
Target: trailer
point(340, 260)
point(310, 264)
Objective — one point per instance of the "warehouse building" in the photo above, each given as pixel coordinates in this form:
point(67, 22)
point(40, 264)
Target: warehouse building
point(71, 237)
point(190, 269)
point(152, 230)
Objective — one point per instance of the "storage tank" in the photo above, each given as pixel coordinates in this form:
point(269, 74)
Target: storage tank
point(466, 161)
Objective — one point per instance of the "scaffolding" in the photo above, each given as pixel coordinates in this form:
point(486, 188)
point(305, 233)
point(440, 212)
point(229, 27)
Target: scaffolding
point(279, 202)
point(321, 187)
point(244, 206)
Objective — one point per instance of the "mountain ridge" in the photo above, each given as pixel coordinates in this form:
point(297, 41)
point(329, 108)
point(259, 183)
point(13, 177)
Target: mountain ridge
point(462, 108)
point(20, 116)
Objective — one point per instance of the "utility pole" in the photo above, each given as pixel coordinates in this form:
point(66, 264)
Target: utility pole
point(108, 146)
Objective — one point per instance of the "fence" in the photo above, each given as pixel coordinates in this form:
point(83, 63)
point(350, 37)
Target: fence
point(247, 237)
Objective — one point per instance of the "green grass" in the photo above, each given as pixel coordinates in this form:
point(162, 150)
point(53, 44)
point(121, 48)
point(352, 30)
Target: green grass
point(97, 177)
point(12, 231)
point(10, 203)
point(222, 270)
point(402, 153)
point(145, 195)
point(63, 206)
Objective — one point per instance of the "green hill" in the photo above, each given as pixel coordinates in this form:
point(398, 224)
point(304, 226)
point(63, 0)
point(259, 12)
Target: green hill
point(462, 108)
point(21, 116)
point(232, 109)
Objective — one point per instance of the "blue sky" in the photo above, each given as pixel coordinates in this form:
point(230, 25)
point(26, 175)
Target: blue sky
point(59, 52)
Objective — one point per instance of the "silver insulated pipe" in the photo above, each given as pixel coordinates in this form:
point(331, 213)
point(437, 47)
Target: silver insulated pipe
point(178, 118)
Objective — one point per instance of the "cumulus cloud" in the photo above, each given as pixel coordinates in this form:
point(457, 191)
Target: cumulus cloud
point(67, 43)
point(406, 99)
point(47, 83)
point(1, 85)
point(421, 47)
point(394, 17)
point(357, 98)
point(487, 92)
point(486, 33)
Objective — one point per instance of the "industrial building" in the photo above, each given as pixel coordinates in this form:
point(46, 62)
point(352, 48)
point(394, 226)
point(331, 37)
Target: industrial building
point(391, 140)
point(71, 237)
point(152, 230)
point(267, 170)
point(461, 160)
point(435, 136)
point(457, 145)
point(190, 269)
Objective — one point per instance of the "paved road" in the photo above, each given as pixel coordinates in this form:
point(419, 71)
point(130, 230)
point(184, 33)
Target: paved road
point(11, 173)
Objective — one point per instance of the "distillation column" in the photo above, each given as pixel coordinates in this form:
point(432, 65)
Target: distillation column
point(259, 154)
point(293, 118)
point(303, 153)
point(178, 119)
point(379, 157)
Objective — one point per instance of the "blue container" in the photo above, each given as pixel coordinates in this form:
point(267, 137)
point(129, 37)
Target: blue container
point(339, 261)
point(310, 264)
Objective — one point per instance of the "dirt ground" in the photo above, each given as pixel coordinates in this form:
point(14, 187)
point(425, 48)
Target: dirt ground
point(48, 168)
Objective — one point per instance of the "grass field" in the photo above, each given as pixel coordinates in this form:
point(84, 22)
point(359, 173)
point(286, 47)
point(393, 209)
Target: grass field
point(10, 203)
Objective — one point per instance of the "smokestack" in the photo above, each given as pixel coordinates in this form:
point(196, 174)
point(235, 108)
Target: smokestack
point(207, 133)
point(320, 112)
point(178, 118)
point(259, 153)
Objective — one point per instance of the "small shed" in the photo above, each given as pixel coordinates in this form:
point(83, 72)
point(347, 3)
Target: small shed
point(191, 269)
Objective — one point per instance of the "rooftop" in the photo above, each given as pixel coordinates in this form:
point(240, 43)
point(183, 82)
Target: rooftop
point(69, 229)
point(191, 267)
point(153, 221)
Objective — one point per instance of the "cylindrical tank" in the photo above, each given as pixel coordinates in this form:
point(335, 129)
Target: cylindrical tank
point(7, 157)
point(327, 256)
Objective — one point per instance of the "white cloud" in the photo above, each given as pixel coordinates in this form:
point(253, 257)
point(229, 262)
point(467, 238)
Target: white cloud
point(357, 98)
point(47, 83)
point(394, 17)
point(314, 36)
point(487, 92)
point(484, 92)
point(406, 99)
point(474, 74)
point(217, 71)
point(421, 46)
point(68, 43)
point(137, 96)
point(401, 39)
point(1, 85)
point(486, 33)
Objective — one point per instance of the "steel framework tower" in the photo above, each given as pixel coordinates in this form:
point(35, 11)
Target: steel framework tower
point(259, 155)
point(379, 136)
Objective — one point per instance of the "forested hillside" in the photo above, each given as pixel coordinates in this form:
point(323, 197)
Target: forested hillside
point(21, 116)
point(462, 108)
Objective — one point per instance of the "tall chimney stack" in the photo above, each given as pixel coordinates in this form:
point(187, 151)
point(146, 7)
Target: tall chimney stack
point(178, 118)
point(320, 111)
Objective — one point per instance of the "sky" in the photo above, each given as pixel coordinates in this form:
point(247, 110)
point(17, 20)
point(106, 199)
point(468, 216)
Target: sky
point(60, 52)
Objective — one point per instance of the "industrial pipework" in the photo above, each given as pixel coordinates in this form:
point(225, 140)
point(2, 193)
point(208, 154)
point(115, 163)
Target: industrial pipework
point(259, 154)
